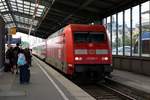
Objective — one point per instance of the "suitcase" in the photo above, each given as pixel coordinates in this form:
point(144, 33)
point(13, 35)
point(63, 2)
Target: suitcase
point(24, 74)
point(28, 76)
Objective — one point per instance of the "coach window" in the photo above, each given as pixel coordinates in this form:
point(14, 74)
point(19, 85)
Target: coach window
point(145, 21)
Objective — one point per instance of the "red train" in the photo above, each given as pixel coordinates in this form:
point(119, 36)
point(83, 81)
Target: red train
point(77, 49)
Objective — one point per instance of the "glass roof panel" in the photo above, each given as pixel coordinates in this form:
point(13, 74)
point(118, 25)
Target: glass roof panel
point(26, 3)
point(42, 7)
point(32, 4)
point(26, 9)
point(19, 1)
point(1, 4)
point(2, 7)
point(31, 13)
point(4, 3)
point(25, 6)
point(21, 8)
point(13, 3)
point(3, 10)
point(20, 5)
point(13, 0)
point(32, 8)
point(14, 9)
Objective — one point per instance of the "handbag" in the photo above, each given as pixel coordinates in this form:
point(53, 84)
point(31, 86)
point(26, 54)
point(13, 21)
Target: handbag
point(7, 61)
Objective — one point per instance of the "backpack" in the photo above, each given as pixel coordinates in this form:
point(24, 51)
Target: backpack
point(21, 59)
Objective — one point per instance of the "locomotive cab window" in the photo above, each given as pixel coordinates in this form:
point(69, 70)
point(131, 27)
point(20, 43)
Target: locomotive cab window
point(97, 37)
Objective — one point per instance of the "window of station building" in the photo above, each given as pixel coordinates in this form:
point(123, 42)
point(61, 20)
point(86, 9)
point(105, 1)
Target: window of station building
point(114, 35)
point(127, 33)
point(120, 33)
point(108, 25)
point(135, 31)
point(104, 22)
point(145, 36)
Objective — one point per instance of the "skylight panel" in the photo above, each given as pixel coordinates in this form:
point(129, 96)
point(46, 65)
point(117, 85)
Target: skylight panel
point(40, 10)
point(7, 15)
point(1, 4)
point(32, 8)
point(25, 6)
point(13, 0)
point(2, 7)
point(19, 1)
point(31, 13)
point(4, 3)
point(13, 3)
point(41, 7)
point(38, 15)
point(26, 10)
point(20, 10)
point(3, 10)
point(14, 7)
point(32, 4)
point(26, 3)
point(20, 5)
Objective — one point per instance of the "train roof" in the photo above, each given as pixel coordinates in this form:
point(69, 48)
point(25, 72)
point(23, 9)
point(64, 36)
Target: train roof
point(87, 26)
point(38, 44)
point(76, 25)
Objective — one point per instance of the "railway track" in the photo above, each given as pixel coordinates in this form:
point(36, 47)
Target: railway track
point(103, 92)
point(111, 90)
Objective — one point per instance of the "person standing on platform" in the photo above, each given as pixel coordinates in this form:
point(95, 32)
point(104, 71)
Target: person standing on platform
point(8, 59)
point(28, 56)
point(16, 51)
point(23, 67)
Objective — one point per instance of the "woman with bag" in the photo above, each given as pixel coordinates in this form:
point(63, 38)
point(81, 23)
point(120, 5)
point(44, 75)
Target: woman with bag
point(8, 59)
point(23, 67)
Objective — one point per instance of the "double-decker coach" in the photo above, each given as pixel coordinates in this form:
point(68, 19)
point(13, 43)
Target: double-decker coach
point(39, 50)
point(79, 48)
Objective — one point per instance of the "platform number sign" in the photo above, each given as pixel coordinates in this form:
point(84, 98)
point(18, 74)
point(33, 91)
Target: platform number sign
point(12, 31)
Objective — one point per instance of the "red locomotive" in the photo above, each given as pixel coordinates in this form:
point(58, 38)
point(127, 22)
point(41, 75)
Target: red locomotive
point(79, 48)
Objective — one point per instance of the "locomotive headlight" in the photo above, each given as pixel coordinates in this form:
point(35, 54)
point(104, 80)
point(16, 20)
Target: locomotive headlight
point(105, 58)
point(78, 58)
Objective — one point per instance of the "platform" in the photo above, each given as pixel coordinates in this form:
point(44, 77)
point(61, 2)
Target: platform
point(133, 80)
point(44, 85)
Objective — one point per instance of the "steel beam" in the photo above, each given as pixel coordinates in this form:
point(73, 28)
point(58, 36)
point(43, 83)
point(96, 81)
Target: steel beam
point(2, 42)
point(10, 10)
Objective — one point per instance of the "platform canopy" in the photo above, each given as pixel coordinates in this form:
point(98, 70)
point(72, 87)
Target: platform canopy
point(43, 17)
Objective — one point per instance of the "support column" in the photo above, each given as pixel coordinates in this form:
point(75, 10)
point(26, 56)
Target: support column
point(2, 42)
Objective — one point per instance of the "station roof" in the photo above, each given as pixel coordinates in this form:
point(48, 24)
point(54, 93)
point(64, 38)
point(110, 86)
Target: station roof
point(43, 17)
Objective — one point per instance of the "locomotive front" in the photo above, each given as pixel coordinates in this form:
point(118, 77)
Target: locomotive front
point(92, 52)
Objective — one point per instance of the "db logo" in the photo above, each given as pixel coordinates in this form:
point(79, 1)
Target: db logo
point(90, 45)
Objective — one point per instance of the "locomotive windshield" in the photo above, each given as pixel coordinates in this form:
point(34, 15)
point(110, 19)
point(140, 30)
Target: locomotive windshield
point(89, 37)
